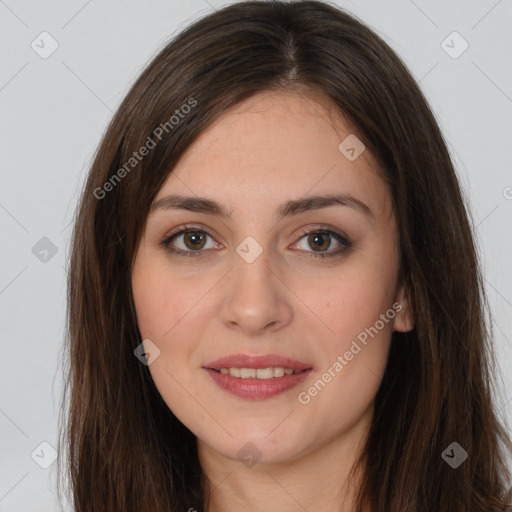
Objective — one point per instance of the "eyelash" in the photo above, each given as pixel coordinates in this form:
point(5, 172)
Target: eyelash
point(325, 230)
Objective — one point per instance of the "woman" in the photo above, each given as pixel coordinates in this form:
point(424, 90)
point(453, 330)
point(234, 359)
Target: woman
point(275, 302)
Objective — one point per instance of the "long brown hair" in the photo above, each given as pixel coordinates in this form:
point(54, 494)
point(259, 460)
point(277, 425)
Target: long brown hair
point(125, 449)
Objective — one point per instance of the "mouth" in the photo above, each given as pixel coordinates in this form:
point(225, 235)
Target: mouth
point(257, 377)
point(271, 372)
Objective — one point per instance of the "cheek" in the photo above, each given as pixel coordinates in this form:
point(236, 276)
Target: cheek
point(356, 307)
point(164, 310)
point(171, 313)
point(353, 300)
point(161, 301)
point(152, 305)
point(353, 356)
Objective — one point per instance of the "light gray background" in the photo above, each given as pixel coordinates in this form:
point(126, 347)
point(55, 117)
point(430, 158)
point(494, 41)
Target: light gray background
point(54, 111)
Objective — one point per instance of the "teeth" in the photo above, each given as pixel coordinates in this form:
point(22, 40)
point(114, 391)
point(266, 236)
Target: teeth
point(258, 373)
point(247, 373)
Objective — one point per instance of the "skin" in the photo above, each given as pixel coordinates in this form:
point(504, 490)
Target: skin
point(274, 147)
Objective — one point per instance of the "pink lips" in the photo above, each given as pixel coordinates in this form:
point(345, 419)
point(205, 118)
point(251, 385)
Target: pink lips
point(254, 388)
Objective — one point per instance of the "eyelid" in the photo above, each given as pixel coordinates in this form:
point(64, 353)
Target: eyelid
point(324, 228)
point(189, 227)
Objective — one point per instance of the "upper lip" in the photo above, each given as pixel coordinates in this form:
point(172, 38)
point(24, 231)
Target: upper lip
point(257, 361)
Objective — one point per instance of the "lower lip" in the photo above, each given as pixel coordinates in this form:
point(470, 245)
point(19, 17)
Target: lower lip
point(257, 389)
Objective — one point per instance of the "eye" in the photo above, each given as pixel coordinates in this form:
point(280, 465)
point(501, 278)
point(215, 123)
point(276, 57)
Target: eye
point(321, 239)
point(194, 239)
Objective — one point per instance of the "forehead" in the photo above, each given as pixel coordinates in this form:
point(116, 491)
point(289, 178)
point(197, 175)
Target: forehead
point(276, 145)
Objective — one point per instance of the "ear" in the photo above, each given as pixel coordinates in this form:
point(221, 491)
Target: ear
point(404, 318)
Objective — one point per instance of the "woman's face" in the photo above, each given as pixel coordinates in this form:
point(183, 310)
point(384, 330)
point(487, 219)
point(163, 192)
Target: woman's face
point(279, 275)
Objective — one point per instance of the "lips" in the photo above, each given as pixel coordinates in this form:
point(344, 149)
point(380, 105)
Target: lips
point(256, 389)
point(257, 361)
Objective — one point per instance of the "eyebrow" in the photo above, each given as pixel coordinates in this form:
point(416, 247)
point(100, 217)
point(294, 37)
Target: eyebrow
point(290, 208)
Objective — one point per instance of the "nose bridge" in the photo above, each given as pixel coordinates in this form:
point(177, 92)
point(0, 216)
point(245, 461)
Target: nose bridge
point(255, 298)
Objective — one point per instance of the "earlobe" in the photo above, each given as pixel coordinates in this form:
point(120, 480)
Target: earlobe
point(404, 318)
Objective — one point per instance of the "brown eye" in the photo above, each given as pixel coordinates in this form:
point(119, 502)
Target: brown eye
point(194, 239)
point(316, 243)
point(319, 241)
point(188, 242)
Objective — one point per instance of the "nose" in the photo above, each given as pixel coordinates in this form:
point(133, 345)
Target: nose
point(255, 300)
